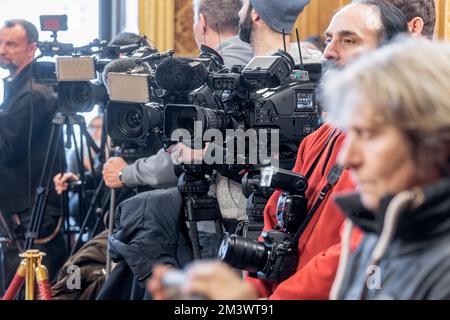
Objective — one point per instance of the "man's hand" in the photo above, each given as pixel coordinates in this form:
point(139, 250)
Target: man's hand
point(184, 155)
point(217, 281)
point(60, 181)
point(111, 172)
point(209, 279)
point(155, 285)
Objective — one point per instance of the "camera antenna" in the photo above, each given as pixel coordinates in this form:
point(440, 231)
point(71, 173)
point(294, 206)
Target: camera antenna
point(284, 40)
point(299, 48)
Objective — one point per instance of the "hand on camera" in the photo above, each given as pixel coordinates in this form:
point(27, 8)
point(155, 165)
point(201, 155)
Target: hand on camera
point(181, 154)
point(61, 181)
point(111, 171)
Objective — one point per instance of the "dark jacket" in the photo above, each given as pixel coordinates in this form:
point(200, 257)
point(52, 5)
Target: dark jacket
point(90, 260)
point(150, 230)
point(17, 151)
point(413, 261)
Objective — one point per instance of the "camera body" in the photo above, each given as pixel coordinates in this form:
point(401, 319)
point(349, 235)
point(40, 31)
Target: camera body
point(275, 258)
point(268, 94)
point(74, 74)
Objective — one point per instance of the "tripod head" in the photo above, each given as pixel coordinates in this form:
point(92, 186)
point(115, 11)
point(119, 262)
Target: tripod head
point(194, 179)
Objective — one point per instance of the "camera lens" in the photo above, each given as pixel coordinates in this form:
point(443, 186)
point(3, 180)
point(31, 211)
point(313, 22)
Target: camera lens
point(131, 122)
point(215, 119)
point(155, 115)
point(75, 97)
point(186, 121)
point(242, 254)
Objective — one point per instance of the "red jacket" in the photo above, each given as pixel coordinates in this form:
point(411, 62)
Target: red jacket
point(319, 245)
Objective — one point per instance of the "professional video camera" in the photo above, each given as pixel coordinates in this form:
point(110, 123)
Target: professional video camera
point(74, 73)
point(270, 94)
point(76, 70)
point(141, 86)
point(276, 257)
point(135, 110)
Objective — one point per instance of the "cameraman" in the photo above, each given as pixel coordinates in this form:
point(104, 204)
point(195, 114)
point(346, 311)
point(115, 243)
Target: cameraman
point(354, 30)
point(420, 14)
point(25, 123)
point(216, 24)
point(262, 23)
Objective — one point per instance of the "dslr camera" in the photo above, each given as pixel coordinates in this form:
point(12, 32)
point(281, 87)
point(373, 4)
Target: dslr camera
point(275, 258)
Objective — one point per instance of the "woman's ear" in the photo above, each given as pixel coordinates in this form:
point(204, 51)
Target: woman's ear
point(415, 26)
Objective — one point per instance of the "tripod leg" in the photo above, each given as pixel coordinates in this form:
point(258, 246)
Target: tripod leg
point(90, 143)
point(91, 210)
point(42, 191)
point(80, 164)
point(110, 230)
point(101, 215)
point(192, 228)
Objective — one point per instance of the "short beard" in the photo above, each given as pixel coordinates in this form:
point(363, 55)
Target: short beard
point(246, 27)
point(330, 65)
point(12, 68)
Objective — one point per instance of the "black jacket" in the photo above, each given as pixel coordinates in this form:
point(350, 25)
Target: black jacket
point(150, 229)
point(415, 263)
point(17, 111)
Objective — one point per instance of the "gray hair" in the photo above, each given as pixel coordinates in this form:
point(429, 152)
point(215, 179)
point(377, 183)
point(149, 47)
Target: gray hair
point(405, 85)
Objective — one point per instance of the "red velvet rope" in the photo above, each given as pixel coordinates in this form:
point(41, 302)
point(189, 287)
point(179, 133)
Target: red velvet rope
point(14, 288)
point(45, 290)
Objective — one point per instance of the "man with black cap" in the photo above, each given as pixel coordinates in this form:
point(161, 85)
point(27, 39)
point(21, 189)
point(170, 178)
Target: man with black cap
point(262, 23)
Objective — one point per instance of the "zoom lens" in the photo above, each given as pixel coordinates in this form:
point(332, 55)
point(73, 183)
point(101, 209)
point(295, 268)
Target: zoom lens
point(184, 117)
point(242, 254)
point(79, 96)
point(131, 122)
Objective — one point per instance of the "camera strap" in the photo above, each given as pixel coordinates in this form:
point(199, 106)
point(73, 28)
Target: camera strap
point(319, 156)
point(332, 179)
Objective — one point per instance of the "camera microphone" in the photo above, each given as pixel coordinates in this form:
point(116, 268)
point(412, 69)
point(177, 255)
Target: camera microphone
point(181, 74)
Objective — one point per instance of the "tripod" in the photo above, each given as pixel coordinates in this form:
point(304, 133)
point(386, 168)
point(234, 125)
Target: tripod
point(198, 205)
point(55, 148)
